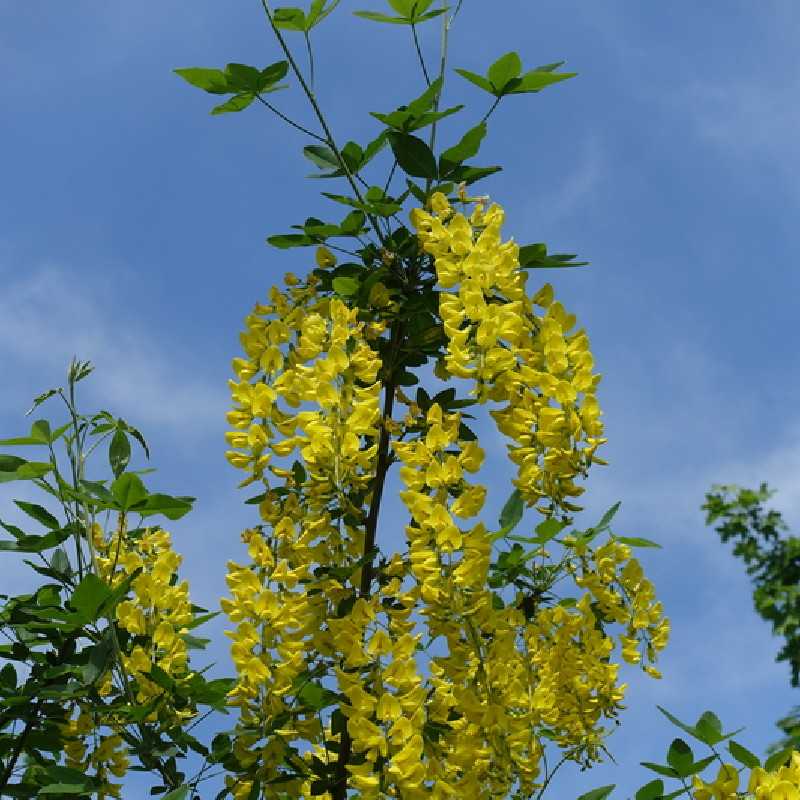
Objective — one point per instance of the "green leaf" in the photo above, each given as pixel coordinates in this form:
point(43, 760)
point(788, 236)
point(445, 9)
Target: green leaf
point(181, 793)
point(512, 512)
point(290, 19)
point(60, 562)
point(236, 103)
point(680, 757)
point(98, 658)
point(214, 81)
point(535, 256)
point(660, 769)
point(318, 11)
point(346, 287)
point(478, 80)
point(299, 473)
point(651, 791)
point(550, 67)
point(504, 70)
point(470, 175)
point(415, 11)
point(605, 520)
point(316, 696)
point(78, 370)
point(8, 677)
point(89, 596)
point(119, 452)
point(466, 434)
point(778, 759)
point(709, 728)
point(426, 101)
point(40, 434)
point(39, 399)
point(38, 513)
point(598, 794)
point(374, 16)
point(413, 155)
point(128, 490)
point(676, 793)
point(636, 541)
point(63, 788)
point(33, 544)
point(10, 463)
point(682, 725)
point(171, 507)
point(466, 148)
point(322, 156)
point(743, 755)
point(286, 240)
point(407, 8)
point(538, 79)
point(29, 471)
point(243, 78)
point(548, 529)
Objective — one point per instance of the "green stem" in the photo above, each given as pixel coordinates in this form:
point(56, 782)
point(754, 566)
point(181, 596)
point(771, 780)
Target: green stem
point(442, 68)
point(291, 122)
point(310, 59)
point(330, 141)
point(391, 175)
point(419, 54)
point(491, 110)
point(550, 777)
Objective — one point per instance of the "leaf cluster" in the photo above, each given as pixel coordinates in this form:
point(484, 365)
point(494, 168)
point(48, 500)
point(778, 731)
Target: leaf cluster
point(62, 640)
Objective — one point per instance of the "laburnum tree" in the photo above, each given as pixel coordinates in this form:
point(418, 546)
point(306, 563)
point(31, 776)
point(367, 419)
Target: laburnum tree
point(450, 666)
point(436, 656)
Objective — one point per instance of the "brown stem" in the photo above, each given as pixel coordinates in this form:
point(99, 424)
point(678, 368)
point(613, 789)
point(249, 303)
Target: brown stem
point(339, 791)
point(380, 481)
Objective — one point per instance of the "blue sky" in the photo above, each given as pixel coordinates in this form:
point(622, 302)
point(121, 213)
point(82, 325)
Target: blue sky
point(132, 231)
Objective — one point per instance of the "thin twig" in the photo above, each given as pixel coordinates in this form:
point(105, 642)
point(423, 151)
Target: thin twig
point(550, 777)
point(339, 791)
point(419, 54)
point(330, 141)
point(310, 59)
point(442, 69)
point(491, 110)
point(391, 175)
point(291, 121)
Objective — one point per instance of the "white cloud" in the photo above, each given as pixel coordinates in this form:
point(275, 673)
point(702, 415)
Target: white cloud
point(750, 120)
point(580, 185)
point(780, 468)
point(753, 113)
point(49, 316)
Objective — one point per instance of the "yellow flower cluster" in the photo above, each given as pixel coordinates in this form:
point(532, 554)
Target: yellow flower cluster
point(622, 594)
point(531, 364)
point(507, 677)
point(305, 350)
point(107, 757)
point(157, 614)
point(308, 387)
point(155, 618)
point(781, 784)
point(441, 687)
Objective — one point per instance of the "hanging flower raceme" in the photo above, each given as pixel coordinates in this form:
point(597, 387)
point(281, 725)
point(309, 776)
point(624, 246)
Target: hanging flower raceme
point(150, 633)
point(103, 757)
point(440, 672)
point(532, 365)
